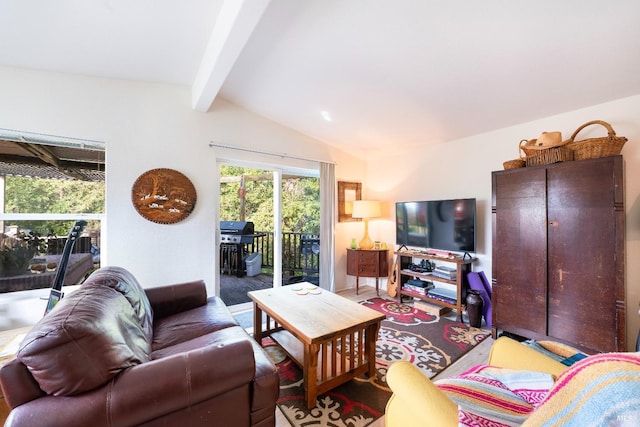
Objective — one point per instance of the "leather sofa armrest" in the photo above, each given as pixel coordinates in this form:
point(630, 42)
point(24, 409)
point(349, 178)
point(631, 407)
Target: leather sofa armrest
point(147, 391)
point(416, 401)
point(509, 353)
point(18, 385)
point(171, 299)
point(153, 389)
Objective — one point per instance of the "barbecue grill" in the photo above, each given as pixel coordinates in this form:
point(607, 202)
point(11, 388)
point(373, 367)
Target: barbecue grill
point(233, 236)
point(236, 232)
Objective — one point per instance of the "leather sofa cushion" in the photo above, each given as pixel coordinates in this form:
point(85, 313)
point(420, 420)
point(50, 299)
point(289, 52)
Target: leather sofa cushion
point(167, 300)
point(193, 323)
point(265, 376)
point(89, 337)
point(124, 282)
point(220, 337)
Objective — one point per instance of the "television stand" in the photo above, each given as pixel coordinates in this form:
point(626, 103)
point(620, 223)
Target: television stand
point(462, 266)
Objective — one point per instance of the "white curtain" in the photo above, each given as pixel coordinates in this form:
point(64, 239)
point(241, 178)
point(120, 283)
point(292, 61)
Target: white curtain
point(327, 224)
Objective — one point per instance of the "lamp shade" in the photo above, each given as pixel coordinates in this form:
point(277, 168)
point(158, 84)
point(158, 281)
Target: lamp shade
point(366, 209)
point(348, 208)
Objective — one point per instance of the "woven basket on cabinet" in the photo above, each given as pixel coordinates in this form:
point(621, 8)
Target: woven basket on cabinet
point(516, 163)
point(550, 155)
point(594, 148)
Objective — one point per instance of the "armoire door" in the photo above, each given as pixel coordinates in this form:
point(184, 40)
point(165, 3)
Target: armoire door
point(520, 251)
point(584, 206)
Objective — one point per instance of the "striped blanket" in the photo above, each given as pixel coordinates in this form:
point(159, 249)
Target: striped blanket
point(601, 390)
point(491, 396)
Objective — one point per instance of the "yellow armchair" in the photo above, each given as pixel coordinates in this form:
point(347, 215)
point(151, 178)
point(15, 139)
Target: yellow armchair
point(416, 401)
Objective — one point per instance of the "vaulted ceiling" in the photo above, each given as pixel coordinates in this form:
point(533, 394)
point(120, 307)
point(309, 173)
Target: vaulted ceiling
point(358, 74)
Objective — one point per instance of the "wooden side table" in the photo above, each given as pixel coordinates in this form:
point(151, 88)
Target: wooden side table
point(368, 263)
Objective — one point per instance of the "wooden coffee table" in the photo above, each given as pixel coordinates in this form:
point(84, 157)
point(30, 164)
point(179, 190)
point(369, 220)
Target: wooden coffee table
point(331, 338)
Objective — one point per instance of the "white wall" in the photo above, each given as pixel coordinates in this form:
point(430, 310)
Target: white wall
point(147, 126)
point(462, 168)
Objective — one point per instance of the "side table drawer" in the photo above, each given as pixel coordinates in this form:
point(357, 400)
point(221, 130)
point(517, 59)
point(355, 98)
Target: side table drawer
point(368, 270)
point(369, 258)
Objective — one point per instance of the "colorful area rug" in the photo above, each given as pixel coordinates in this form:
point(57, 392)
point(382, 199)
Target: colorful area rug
point(429, 342)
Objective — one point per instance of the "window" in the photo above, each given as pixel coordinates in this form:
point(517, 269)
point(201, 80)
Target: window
point(46, 184)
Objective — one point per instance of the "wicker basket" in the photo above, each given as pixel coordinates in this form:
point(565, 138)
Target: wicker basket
point(526, 147)
point(594, 148)
point(550, 155)
point(516, 163)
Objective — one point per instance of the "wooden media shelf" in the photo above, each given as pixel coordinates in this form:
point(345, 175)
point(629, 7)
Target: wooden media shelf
point(461, 264)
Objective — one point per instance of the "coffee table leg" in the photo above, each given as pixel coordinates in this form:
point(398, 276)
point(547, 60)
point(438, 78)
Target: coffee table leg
point(257, 323)
point(370, 343)
point(310, 372)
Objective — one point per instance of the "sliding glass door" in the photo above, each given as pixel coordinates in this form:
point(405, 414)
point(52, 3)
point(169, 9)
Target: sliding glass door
point(269, 229)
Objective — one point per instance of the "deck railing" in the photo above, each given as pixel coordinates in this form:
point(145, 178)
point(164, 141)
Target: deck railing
point(300, 252)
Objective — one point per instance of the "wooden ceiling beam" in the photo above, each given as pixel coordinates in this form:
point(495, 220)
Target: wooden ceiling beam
point(39, 151)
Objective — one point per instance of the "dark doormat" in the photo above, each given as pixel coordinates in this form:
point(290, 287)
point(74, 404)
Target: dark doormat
point(233, 290)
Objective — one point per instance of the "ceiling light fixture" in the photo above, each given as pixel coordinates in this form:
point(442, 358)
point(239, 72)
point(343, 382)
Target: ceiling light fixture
point(326, 116)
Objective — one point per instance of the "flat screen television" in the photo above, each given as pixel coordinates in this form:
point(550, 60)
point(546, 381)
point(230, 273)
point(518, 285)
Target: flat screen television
point(446, 225)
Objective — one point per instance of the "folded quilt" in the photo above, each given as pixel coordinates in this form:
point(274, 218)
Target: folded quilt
point(492, 396)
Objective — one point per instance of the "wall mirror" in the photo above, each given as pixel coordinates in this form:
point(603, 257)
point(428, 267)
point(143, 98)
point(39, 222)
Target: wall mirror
point(347, 193)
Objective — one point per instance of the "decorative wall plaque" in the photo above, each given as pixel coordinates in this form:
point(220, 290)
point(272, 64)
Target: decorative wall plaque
point(164, 196)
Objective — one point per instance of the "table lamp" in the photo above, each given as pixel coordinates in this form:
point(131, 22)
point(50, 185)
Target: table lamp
point(366, 209)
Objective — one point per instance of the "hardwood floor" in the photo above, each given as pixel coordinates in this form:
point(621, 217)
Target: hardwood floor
point(474, 357)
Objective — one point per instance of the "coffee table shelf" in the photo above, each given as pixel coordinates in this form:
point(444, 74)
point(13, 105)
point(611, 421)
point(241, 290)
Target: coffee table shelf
point(330, 337)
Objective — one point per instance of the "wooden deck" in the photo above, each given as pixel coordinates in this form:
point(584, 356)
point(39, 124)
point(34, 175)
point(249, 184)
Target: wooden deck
point(233, 289)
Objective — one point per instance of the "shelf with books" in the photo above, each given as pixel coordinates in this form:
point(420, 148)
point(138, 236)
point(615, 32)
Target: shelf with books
point(450, 271)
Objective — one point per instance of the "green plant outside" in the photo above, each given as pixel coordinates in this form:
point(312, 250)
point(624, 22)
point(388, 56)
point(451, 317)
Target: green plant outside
point(37, 195)
point(16, 252)
point(300, 200)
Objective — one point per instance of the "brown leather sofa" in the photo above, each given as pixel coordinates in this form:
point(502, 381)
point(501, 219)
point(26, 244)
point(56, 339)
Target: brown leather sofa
point(114, 354)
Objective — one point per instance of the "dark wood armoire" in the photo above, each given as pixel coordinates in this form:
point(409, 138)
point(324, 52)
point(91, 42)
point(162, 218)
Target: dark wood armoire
point(558, 253)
